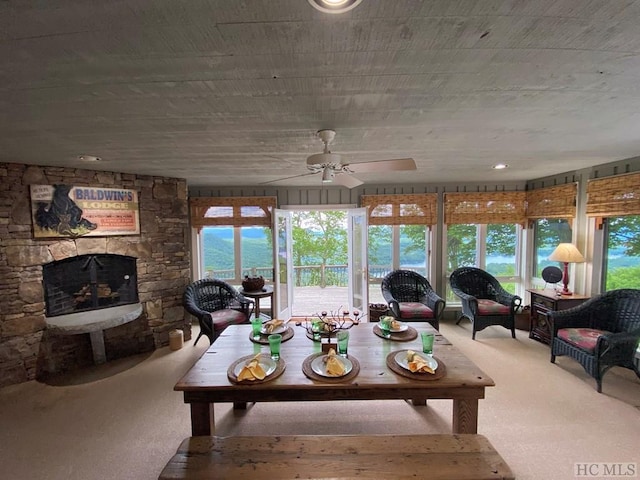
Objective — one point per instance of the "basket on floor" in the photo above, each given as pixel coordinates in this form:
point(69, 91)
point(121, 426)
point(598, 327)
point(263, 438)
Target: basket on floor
point(376, 310)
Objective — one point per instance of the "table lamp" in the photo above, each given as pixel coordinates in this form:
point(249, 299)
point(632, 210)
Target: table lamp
point(566, 253)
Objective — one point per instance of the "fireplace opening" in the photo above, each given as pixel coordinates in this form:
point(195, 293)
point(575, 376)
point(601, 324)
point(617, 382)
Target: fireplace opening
point(89, 282)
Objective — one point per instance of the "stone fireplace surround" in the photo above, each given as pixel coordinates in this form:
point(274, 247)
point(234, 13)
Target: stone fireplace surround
point(28, 350)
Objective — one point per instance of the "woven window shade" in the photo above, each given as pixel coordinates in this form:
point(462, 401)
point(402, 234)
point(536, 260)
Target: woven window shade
point(410, 209)
point(552, 202)
point(493, 207)
point(231, 211)
point(614, 196)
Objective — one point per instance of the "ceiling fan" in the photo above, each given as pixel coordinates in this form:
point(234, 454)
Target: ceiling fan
point(333, 170)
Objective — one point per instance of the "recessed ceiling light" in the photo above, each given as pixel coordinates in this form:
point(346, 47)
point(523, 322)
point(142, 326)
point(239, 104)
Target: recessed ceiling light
point(334, 6)
point(89, 158)
point(500, 166)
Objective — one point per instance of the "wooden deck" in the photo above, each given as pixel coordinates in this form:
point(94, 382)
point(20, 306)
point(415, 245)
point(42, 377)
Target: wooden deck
point(309, 300)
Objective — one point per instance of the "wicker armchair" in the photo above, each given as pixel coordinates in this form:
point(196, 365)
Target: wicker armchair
point(484, 301)
point(411, 297)
point(600, 333)
point(216, 305)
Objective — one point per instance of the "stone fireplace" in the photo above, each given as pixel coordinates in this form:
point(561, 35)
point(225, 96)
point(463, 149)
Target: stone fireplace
point(89, 282)
point(71, 320)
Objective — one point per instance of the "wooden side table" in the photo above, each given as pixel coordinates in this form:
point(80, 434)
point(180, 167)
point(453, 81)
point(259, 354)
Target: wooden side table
point(543, 302)
point(267, 291)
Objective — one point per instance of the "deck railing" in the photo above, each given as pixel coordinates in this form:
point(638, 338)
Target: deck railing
point(310, 275)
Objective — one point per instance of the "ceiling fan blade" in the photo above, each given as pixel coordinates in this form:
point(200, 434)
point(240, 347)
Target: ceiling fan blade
point(347, 181)
point(383, 165)
point(287, 178)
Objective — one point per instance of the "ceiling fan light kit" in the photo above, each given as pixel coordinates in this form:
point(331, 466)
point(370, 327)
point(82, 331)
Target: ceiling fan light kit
point(335, 171)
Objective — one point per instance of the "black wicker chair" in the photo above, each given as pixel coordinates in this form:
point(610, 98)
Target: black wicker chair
point(411, 297)
point(484, 301)
point(600, 333)
point(216, 305)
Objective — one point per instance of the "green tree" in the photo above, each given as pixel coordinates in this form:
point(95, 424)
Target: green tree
point(624, 277)
point(379, 236)
point(319, 237)
point(461, 246)
point(624, 232)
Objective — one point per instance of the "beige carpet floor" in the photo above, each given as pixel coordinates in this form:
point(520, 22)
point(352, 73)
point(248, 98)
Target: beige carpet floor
point(124, 421)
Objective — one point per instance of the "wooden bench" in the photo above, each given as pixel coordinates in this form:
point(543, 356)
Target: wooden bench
point(437, 457)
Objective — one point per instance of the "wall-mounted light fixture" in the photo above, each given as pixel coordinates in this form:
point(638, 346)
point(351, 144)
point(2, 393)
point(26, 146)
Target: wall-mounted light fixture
point(334, 6)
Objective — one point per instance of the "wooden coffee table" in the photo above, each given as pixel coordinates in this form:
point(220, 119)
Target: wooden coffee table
point(206, 383)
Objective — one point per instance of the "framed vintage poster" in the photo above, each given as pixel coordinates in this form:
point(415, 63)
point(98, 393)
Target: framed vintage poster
point(71, 211)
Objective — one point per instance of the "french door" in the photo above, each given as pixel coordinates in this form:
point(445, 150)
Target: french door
point(357, 262)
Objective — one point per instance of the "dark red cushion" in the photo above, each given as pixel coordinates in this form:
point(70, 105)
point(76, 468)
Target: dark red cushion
point(584, 338)
point(223, 318)
point(414, 310)
point(489, 307)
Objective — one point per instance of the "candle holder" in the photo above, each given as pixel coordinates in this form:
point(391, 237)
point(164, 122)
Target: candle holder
point(325, 325)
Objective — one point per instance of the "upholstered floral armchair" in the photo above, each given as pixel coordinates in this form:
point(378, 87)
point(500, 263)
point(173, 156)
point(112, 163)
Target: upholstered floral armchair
point(216, 305)
point(601, 333)
point(484, 301)
point(411, 297)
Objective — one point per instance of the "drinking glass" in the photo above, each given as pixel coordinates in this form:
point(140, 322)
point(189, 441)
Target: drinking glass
point(385, 326)
point(275, 339)
point(427, 342)
point(316, 327)
point(256, 326)
point(343, 342)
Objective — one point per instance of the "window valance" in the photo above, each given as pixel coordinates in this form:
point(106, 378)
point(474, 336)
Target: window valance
point(614, 196)
point(231, 211)
point(552, 202)
point(408, 209)
point(489, 207)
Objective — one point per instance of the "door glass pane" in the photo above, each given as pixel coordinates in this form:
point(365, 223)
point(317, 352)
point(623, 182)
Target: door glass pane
point(218, 257)
point(622, 254)
point(283, 272)
point(548, 233)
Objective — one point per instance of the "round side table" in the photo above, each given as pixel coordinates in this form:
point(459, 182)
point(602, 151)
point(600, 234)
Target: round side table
point(267, 291)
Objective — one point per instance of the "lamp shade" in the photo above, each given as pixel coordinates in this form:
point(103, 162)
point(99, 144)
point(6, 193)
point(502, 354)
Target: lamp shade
point(567, 253)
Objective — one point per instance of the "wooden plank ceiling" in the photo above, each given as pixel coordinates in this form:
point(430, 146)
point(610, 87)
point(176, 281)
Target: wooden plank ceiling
point(225, 92)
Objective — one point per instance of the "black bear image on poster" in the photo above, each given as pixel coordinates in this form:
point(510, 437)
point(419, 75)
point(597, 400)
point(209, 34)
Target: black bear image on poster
point(72, 211)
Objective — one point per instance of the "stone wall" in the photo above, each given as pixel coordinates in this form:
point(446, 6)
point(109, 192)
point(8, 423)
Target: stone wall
point(27, 349)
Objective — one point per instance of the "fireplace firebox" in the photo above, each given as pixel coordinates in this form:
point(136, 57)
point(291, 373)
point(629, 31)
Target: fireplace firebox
point(89, 282)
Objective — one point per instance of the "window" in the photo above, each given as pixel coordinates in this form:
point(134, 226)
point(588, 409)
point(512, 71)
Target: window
point(234, 236)
point(621, 268)
point(491, 247)
point(492, 243)
point(547, 234)
point(394, 247)
point(399, 234)
point(615, 203)
point(222, 247)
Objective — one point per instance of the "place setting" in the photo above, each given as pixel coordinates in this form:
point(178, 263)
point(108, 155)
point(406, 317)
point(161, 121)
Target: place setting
point(255, 369)
point(391, 329)
point(417, 365)
point(260, 330)
point(332, 366)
